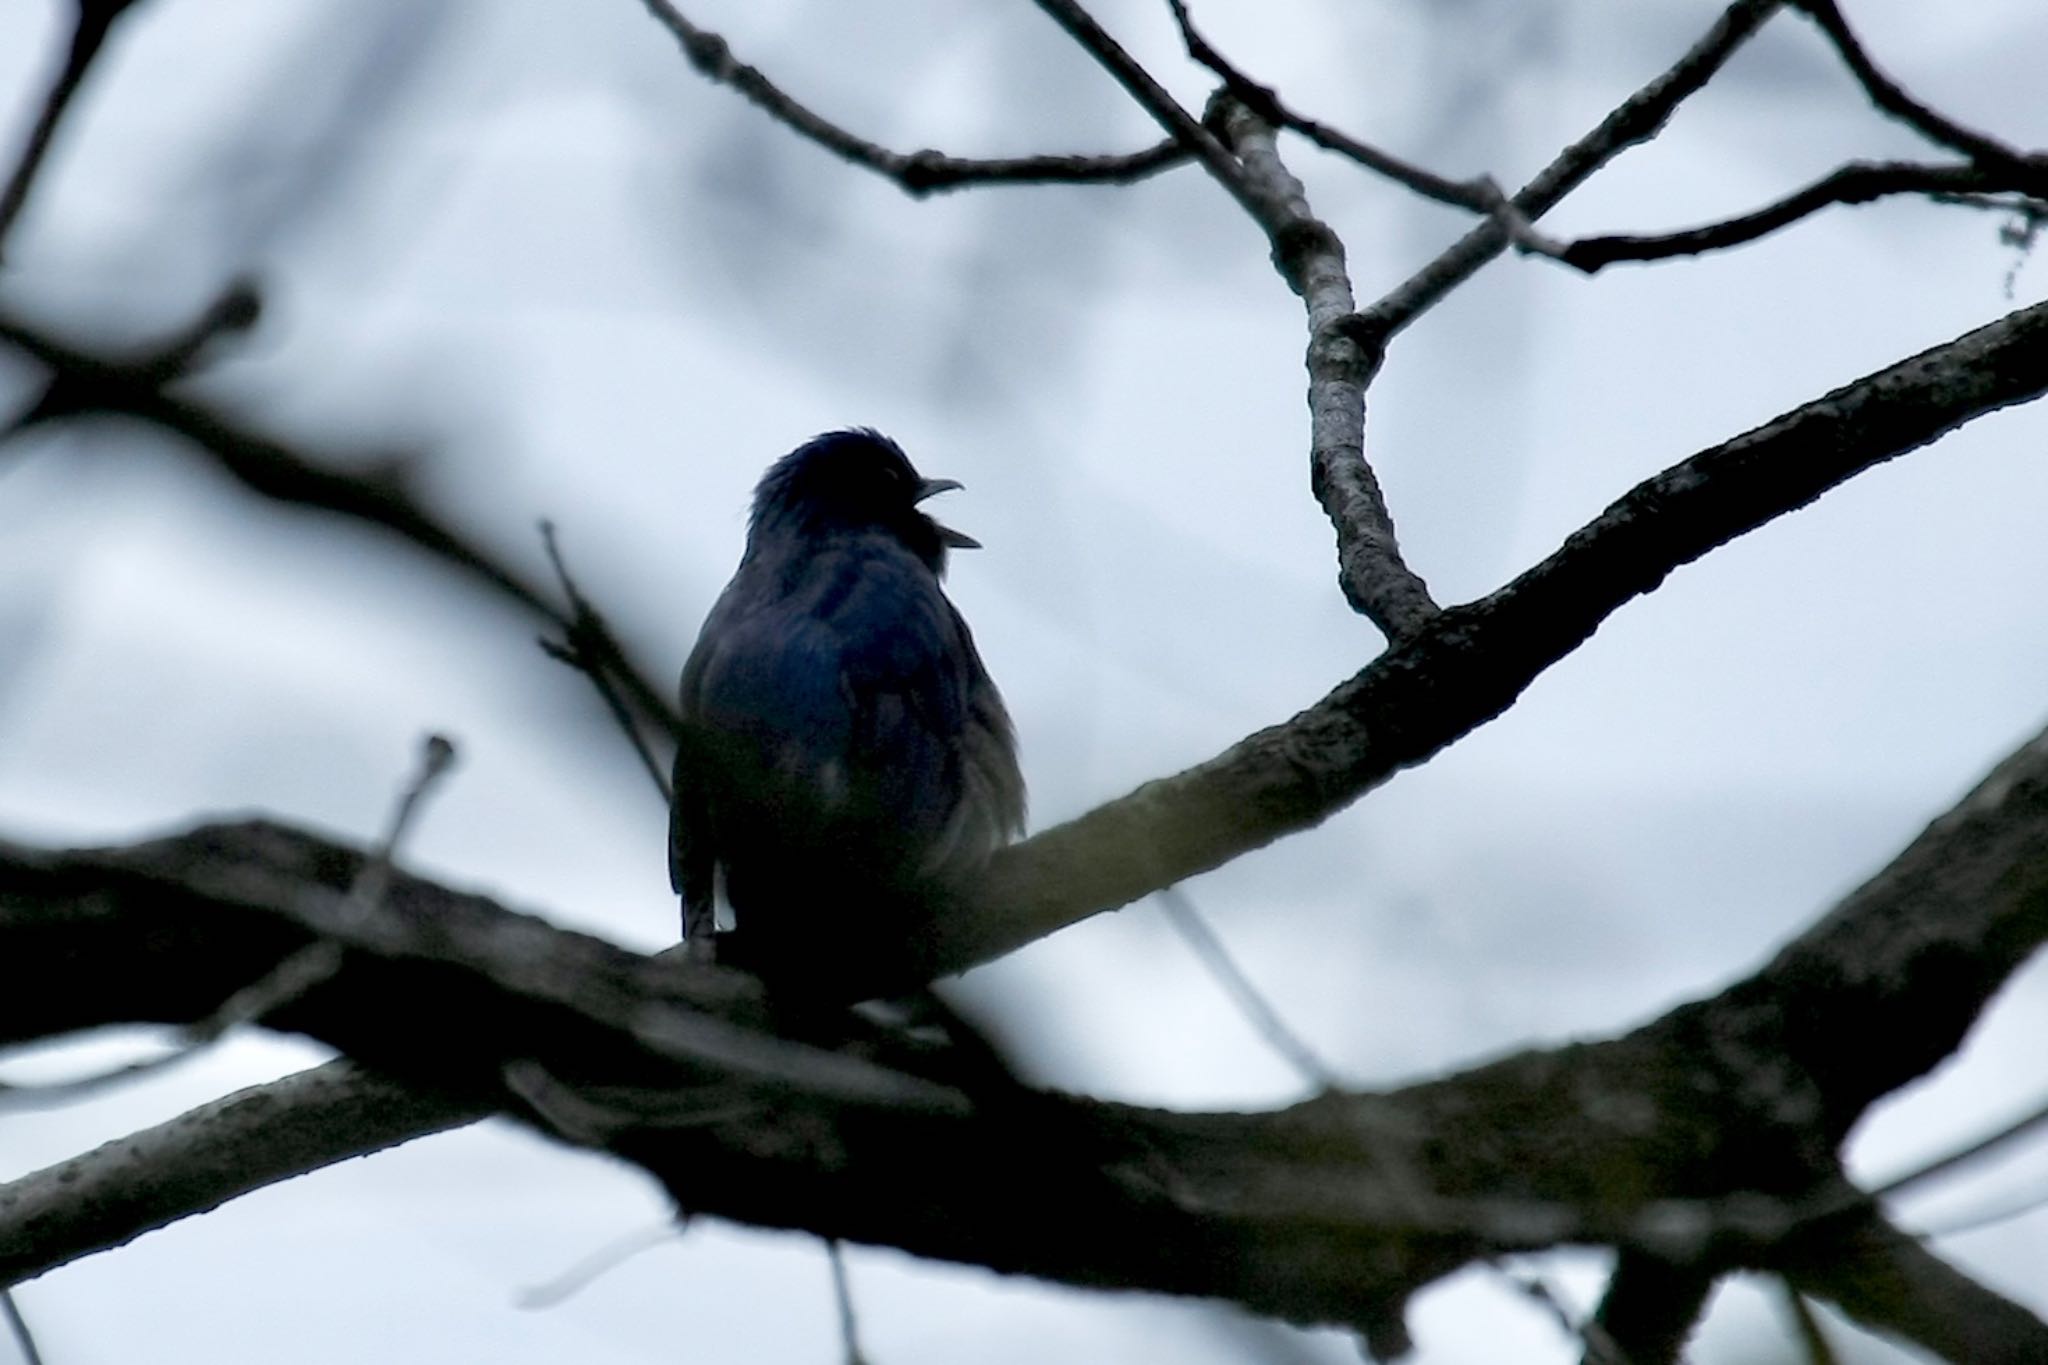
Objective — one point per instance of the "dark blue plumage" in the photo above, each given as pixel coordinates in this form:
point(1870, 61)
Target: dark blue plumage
point(844, 751)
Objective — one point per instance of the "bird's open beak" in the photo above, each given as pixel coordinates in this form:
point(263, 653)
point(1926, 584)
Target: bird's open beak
point(930, 488)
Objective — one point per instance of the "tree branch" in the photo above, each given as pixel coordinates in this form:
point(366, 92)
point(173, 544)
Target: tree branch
point(1637, 119)
point(1706, 1137)
point(1648, 1312)
point(1471, 662)
point(95, 19)
point(376, 492)
point(1889, 96)
point(1480, 195)
point(1859, 182)
point(203, 1158)
point(1376, 580)
point(1891, 1283)
point(1155, 100)
point(916, 173)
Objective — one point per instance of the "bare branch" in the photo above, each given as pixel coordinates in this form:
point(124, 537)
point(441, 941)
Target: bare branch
point(1480, 195)
point(1859, 182)
point(1648, 1311)
point(1637, 119)
point(1471, 662)
point(1964, 1156)
point(198, 1161)
point(588, 646)
point(1251, 1002)
point(1155, 100)
point(377, 492)
point(1891, 1283)
point(842, 1298)
point(289, 980)
point(1892, 98)
point(17, 1327)
point(1707, 1136)
point(1376, 580)
point(1813, 1339)
point(917, 173)
point(88, 36)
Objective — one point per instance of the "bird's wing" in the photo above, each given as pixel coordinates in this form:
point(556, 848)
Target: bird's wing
point(847, 685)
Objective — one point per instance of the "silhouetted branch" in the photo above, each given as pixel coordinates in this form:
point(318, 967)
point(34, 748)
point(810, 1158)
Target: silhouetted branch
point(1888, 95)
point(378, 493)
point(1648, 1312)
point(1813, 1338)
point(1155, 100)
point(1856, 183)
point(1637, 119)
point(18, 1328)
point(918, 173)
point(1892, 1284)
point(1471, 662)
point(1480, 195)
point(1251, 1002)
point(88, 36)
point(842, 1298)
point(289, 980)
point(1706, 1137)
point(588, 646)
point(199, 1160)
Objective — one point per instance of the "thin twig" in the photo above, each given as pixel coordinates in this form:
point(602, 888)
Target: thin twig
point(284, 983)
point(2018, 1128)
point(1636, 120)
point(588, 646)
point(1988, 1216)
point(1154, 99)
point(917, 173)
point(1216, 959)
point(1480, 195)
point(1888, 95)
point(24, 1339)
point(1600, 1348)
point(597, 1265)
point(88, 37)
point(1813, 1338)
point(842, 1294)
point(1858, 182)
point(378, 491)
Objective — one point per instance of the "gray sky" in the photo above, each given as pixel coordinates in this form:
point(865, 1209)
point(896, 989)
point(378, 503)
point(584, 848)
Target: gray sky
point(528, 240)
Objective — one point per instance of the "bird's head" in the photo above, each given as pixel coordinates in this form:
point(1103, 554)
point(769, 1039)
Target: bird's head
point(855, 480)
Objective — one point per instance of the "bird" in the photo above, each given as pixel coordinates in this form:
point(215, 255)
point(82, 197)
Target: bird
point(844, 753)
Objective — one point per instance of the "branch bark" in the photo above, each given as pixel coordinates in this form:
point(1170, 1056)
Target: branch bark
point(1706, 1137)
point(1471, 662)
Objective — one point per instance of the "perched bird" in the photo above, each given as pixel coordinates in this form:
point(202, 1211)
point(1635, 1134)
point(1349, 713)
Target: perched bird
point(844, 751)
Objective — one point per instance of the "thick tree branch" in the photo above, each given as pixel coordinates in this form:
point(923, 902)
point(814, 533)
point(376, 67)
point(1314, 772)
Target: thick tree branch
point(1706, 1137)
point(1469, 664)
point(1376, 580)
point(917, 173)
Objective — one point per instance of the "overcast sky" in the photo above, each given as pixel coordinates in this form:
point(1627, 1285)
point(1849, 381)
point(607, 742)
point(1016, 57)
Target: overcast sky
point(526, 241)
